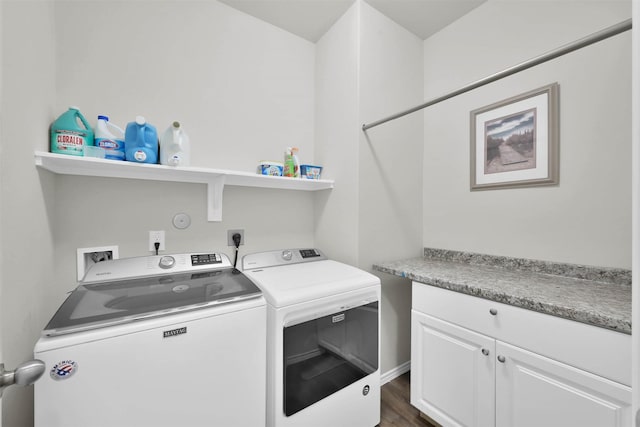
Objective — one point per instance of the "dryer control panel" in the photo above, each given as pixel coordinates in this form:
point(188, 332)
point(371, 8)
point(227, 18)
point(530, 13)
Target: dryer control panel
point(281, 257)
point(309, 253)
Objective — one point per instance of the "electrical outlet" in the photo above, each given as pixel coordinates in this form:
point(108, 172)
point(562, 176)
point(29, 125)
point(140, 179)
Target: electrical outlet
point(230, 234)
point(156, 237)
point(86, 257)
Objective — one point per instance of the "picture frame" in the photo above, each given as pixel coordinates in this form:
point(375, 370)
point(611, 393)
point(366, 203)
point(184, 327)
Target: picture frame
point(514, 142)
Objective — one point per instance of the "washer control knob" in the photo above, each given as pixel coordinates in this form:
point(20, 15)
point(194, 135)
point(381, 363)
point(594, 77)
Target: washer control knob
point(287, 255)
point(167, 262)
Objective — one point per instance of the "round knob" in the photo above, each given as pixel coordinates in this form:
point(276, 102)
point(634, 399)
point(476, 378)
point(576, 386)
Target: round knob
point(493, 311)
point(27, 373)
point(167, 262)
point(485, 351)
point(501, 359)
point(286, 255)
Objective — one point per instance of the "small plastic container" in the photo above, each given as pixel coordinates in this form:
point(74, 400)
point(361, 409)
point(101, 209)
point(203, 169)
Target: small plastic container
point(270, 168)
point(97, 152)
point(310, 171)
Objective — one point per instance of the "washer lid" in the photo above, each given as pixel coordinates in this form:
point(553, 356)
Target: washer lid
point(103, 304)
point(285, 285)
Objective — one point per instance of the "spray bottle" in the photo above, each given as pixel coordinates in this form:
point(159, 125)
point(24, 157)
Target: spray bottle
point(296, 162)
point(289, 165)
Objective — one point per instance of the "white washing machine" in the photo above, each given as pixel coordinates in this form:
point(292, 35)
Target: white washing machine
point(323, 339)
point(156, 341)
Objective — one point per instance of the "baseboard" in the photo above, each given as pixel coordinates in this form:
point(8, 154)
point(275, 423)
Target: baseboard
point(394, 373)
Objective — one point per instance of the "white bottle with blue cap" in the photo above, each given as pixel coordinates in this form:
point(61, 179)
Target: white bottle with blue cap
point(109, 137)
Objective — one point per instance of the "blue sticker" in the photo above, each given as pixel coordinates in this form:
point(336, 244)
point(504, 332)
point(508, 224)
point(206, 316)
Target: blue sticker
point(63, 370)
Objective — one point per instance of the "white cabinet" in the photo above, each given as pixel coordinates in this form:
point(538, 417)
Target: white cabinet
point(533, 391)
point(452, 372)
point(469, 367)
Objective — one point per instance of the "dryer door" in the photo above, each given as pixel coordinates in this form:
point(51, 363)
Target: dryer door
point(324, 355)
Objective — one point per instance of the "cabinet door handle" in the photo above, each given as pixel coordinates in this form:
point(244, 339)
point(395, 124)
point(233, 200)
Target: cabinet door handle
point(485, 351)
point(493, 311)
point(501, 359)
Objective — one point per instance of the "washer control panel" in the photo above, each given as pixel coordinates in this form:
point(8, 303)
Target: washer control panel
point(205, 259)
point(128, 268)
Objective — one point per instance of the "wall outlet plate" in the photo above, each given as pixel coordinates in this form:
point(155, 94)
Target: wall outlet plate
point(156, 237)
point(86, 257)
point(230, 234)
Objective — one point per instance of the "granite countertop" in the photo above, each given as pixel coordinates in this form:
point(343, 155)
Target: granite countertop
point(593, 295)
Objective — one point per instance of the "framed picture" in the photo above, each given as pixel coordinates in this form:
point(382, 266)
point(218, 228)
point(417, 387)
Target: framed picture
point(514, 143)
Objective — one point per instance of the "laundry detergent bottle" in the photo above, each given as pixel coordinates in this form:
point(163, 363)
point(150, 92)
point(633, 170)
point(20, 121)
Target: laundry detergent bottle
point(174, 146)
point(141, 142)
point(70, 133)
point(289, 165)
point(109, 137)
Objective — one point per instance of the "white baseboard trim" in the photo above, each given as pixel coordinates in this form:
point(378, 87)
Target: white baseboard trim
point(395, 372)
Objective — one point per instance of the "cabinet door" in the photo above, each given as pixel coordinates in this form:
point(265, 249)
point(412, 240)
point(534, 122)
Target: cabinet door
point(452, 373)
point(534, 391)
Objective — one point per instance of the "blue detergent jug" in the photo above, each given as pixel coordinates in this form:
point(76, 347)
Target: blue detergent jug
point(141, 142)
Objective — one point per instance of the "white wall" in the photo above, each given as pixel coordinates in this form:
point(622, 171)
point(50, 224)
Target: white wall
point(368, 66)
point(28, 256)
point(390, 169)
point(586, 219)
point(337, 137)
point(243, 89)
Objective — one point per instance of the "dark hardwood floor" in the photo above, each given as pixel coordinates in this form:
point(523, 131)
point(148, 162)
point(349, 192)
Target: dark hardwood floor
point(395, 409)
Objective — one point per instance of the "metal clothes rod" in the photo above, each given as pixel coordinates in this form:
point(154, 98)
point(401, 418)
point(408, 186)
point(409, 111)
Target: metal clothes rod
point(563, 50)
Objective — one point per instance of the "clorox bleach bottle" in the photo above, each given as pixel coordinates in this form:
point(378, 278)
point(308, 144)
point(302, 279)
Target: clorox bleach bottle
point(141, 142)
point(109, 137)
point(174, 146)
point(68, 136)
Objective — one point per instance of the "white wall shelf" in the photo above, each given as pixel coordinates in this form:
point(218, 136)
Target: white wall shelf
point(215, 179)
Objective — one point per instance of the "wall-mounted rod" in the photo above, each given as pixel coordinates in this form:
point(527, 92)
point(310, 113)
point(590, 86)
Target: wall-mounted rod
point(563, 50)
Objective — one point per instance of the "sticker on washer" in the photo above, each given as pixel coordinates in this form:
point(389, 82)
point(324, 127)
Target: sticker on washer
point(63, 370)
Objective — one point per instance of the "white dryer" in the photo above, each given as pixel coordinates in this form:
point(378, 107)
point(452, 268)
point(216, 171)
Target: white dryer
point(156, 341)
point(322, 339)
